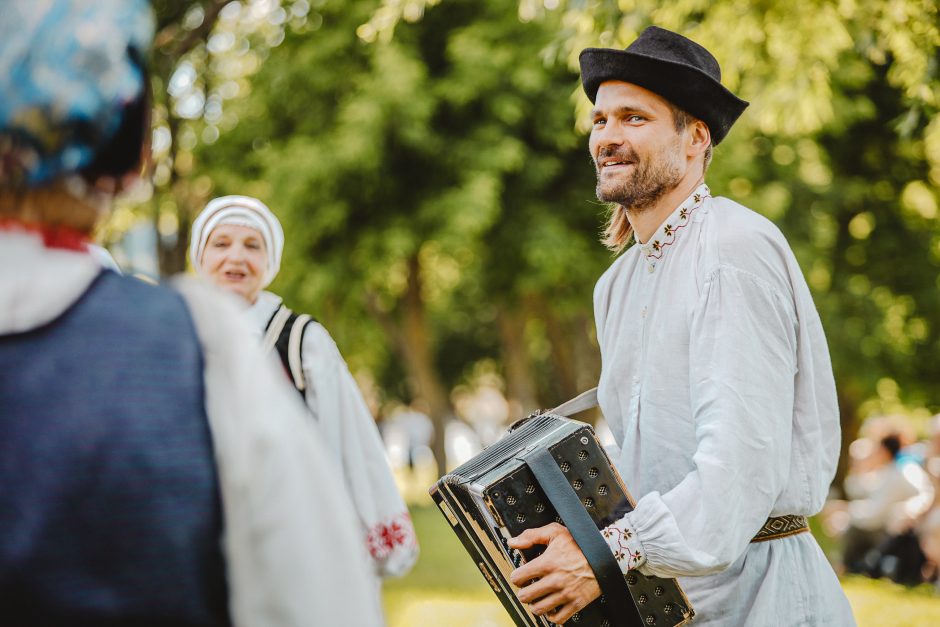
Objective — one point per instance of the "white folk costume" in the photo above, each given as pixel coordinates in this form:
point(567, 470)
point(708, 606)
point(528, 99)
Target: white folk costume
point(332, 397)
point(717, 384)
point(287, 563)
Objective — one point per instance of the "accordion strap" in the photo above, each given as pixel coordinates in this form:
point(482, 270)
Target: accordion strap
point(581, 402)
point(572, 513)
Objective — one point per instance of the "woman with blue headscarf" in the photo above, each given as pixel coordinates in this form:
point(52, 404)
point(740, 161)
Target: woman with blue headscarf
point(154, 466)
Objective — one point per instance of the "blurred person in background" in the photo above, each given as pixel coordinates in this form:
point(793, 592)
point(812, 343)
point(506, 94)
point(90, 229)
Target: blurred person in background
point(154, 470)
point(237, 244)
point(885, 500)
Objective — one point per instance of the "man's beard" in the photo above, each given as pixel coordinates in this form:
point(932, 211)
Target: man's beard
point(650, 180)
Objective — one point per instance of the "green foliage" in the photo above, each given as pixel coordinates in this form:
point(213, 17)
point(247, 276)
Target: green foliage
point(442, 145)
point(432, 147)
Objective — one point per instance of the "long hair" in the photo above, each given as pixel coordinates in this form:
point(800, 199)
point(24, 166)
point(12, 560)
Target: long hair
point(618, 232)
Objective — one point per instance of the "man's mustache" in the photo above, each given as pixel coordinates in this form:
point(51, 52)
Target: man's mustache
point(621, 154)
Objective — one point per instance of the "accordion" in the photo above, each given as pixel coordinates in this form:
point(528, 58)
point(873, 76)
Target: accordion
point(552, 469)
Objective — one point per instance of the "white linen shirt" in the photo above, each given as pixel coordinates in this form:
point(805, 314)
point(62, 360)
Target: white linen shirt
point(348, 428)
point(717, 385)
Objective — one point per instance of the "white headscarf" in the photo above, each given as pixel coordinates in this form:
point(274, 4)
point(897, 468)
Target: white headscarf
point(240, 211)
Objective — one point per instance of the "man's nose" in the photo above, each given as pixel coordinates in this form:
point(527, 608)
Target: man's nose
point(607, 139)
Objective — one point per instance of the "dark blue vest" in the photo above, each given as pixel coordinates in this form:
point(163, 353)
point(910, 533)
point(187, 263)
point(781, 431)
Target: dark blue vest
point(109, 500)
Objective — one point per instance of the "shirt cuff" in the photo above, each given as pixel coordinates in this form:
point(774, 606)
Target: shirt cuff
point(624, 544)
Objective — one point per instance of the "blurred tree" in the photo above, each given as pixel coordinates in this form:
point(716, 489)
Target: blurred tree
point(434, 181)
point(203, 52)
point(428, 167)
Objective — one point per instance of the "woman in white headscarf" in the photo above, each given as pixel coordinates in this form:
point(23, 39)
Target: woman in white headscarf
point(237, 244)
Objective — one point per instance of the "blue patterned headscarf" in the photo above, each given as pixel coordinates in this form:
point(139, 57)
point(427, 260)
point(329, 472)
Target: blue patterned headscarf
point(68, 71)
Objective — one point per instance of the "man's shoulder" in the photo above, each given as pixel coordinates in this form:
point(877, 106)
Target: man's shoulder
point(740, 225)
point(744, 238)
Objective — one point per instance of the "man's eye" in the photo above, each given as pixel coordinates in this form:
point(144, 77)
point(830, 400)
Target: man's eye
point(600, 122)
point(253, 246)
point(219, 244)
point(635, 118)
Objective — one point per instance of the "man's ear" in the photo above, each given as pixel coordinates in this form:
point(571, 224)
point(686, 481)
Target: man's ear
point(700, 138)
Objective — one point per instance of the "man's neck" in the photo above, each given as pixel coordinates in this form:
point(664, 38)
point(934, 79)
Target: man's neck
point(646, 221)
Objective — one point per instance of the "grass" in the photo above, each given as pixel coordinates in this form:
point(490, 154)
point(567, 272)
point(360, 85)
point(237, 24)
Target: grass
point(445, 588)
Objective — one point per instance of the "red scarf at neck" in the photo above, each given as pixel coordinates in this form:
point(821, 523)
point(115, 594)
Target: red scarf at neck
point(52, 236)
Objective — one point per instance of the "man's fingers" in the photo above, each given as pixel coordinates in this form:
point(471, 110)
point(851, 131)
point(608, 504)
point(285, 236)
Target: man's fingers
point(539, 589)
point(527, 572)
point(548, 604)
point(537, 535)
point(563, 613)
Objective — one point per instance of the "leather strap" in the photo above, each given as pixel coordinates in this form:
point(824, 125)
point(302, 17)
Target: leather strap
point(585, 533)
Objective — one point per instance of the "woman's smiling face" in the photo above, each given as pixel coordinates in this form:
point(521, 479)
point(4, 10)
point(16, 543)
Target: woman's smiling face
point(235, 259)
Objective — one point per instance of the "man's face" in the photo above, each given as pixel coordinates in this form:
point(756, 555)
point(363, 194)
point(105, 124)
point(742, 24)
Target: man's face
point(635, 146)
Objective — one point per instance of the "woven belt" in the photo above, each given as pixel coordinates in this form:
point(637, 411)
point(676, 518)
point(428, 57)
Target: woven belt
point(781, 527)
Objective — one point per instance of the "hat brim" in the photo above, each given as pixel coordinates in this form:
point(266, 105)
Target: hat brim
point(687, 87)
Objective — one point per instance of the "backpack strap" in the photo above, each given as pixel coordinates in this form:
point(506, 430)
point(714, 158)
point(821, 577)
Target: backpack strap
point(285, 334)
point(274, 327)
point(294, 354)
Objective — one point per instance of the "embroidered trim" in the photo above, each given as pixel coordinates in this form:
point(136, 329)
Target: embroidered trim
point(655, 248)
point(623, 543)
point(386, 536)
point(781, 527)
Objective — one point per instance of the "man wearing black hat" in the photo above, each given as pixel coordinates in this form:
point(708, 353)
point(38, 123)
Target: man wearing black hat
point(716, 377)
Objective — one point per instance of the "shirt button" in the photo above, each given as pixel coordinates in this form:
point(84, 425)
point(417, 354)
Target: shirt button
point(643, 313)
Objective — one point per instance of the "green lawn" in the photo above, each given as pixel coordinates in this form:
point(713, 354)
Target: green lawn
point(445, 589)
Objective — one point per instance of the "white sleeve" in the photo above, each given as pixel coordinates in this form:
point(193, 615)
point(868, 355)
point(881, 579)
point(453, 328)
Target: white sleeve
point(292, 554)
point(742, 369)
point(358, 455)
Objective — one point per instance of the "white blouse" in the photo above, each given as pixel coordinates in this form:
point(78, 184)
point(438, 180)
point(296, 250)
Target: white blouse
point(348, 428)
point(717, 385)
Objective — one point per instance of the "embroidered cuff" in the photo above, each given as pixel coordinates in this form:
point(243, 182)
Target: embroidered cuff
point(621, 538)
point(395, 533)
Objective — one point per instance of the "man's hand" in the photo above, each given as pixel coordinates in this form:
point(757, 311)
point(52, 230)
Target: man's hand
point(565, 579)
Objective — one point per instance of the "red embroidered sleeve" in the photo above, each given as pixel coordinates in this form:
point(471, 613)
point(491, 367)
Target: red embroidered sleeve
point(390, 534)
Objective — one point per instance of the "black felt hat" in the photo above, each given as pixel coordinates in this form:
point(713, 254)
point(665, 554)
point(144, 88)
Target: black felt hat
point(676, 68)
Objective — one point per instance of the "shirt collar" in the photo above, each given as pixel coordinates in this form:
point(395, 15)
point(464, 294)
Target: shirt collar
point(260, 312)
point(667, 233)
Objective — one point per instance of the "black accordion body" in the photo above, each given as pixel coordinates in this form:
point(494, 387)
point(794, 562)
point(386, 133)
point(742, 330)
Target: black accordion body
point(499, 494)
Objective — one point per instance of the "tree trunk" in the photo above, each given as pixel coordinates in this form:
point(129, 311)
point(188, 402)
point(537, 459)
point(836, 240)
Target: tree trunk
point(418, 355)
point(521, 391)
point(848, 396)
point(565, 382)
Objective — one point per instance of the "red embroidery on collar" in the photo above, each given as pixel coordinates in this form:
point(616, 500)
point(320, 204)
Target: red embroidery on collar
point(670, 231)
point(52, 236)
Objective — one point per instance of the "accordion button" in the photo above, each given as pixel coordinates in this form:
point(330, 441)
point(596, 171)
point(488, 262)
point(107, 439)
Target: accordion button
point(643, 599)
point(658, 591)
point(651, 620)
point(631, 579)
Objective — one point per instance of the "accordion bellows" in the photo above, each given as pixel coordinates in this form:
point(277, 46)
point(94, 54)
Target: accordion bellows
point(496, 496)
